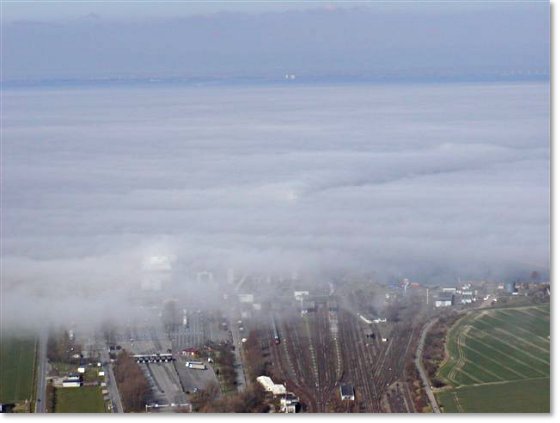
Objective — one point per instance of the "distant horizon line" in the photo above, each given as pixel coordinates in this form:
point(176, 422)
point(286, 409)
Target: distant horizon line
point(287, 79)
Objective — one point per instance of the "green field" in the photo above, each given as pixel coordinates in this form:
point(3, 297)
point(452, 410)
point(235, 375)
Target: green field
point(509, 397)
point(499, 361)
point(87, 399)
point(17, 361)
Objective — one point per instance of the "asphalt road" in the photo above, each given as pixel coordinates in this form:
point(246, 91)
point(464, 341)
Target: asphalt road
point(241, 380)
point(114, 394)
point(41, 373)
point(168, 382)
point(163, 377)
point(422, 371)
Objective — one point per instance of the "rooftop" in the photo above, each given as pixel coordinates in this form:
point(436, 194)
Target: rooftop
point(445, 296)
point(346, 389)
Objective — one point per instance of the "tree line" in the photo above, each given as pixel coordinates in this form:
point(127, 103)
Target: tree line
point(252, 400)
point(434, 346)
point(61, 348)
point(132, 383)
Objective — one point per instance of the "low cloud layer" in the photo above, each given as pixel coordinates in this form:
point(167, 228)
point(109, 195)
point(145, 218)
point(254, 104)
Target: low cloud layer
point(429, 182)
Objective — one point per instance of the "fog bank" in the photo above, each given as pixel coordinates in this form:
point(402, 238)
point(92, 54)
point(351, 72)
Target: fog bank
point(429, 182)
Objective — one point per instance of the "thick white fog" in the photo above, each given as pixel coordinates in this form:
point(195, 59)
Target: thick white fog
point(430, 182)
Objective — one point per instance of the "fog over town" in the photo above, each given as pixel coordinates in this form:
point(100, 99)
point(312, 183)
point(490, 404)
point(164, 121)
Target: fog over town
point(275, 207)
point(427, 182)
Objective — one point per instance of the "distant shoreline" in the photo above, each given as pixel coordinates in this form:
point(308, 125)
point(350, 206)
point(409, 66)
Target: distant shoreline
point(267, 81)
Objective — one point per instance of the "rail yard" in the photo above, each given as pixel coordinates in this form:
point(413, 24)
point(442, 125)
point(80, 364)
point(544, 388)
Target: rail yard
point(321, 350)
point(354, 350)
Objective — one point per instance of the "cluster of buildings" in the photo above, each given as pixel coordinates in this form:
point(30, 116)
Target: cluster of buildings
point(464, 294)
point(289, 402)
point(525, 288)
point(470, 292)
point(76, 380)
point(251, 299)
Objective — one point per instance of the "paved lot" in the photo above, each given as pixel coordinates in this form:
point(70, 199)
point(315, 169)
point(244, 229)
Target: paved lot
point(193, 378)
point(191, 335)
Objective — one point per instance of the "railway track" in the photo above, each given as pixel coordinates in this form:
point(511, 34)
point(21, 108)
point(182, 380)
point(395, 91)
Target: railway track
point(328, 361)
point(285, 367)
point(392, 367)
point(307, 358)
point(314, 359)
point(357, 366)
point(309, 342)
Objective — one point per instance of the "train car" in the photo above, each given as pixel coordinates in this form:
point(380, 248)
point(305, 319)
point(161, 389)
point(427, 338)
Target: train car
point(276, 334)
point(185, 319)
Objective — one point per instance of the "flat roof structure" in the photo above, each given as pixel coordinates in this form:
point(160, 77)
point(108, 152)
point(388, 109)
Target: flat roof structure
point(347, 391)
point(270, 386)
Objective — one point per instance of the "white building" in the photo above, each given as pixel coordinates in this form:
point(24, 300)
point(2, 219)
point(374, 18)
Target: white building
point(467, 298)
point(444, 299)
point(289, 403)
point(71, 383)
point(270, 386)
point(301, 295)
point(156, 272)
point(347, 392)
point(246, 298)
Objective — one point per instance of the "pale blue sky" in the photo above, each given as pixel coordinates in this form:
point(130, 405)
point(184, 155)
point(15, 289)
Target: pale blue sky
point(143, 9)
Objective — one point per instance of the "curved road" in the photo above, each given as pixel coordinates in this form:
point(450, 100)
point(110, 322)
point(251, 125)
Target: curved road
point(422, 371)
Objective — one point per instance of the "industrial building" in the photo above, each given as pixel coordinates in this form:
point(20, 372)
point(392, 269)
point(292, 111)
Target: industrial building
point(289, 403)
point(332, 305)
point(445, 299)
point(308, 307)
point(467, 298)
point(301, 295)
point(347, 392)
point(270, 386)
point(512, 288)
point(190, 352)
point(72, 381)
